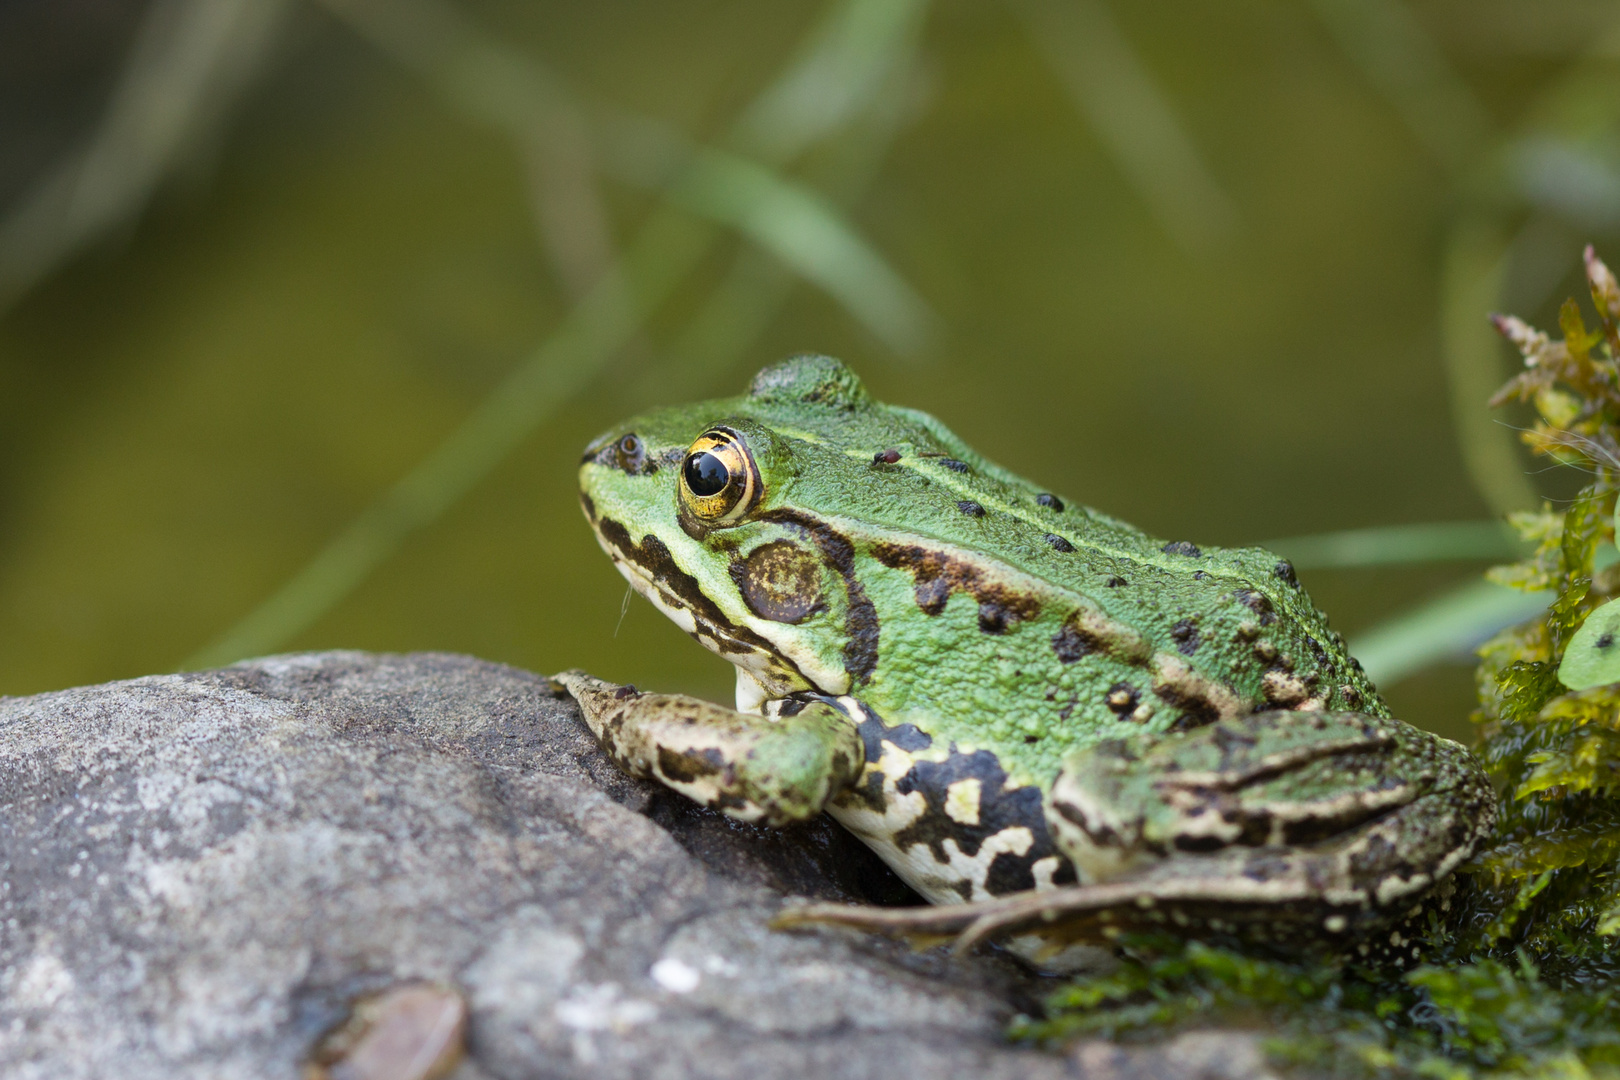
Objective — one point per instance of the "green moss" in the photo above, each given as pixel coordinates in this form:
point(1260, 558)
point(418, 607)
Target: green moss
point(1485, 1018)
point(1520, 972)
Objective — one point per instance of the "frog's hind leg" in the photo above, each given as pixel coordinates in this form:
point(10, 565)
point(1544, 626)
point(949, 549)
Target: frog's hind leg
point(1277, 826)
point(1275, 809)
point(769, 771)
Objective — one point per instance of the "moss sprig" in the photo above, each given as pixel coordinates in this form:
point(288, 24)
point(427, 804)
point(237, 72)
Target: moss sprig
point(1490, 1018)
point(1554, 750)
point(1521, 964)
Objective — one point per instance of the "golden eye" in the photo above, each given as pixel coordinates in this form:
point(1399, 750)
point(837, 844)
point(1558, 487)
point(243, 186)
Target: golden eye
point(719, 480)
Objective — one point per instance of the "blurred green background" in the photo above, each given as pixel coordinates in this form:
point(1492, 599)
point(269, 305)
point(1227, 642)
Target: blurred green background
point(306, 309)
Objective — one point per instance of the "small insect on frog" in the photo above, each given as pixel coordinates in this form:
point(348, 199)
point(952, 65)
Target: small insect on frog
point(1042, 718)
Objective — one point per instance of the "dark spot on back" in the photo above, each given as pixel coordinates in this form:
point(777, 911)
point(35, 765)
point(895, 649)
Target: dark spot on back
point(1185, 635)
point(937, 575)
point(1050, 501)
point(1071, 643)
point(1123, 698)
point(1115, 582)
point(1059, 544)
point(1182, 547)
point(1605, 641)
point(1285, 571)
point(886, 457)
point(970, 508)
point(995, 618)
point(1258, 604)
point(1196, 710)
point(954, 465)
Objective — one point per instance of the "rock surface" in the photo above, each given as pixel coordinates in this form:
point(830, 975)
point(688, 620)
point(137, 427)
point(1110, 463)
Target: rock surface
point(203, 871)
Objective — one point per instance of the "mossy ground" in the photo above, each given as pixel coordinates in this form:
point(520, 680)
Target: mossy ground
point(1518, 972)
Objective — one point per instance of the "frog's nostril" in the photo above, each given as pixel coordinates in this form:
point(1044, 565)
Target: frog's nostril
point(630, 453)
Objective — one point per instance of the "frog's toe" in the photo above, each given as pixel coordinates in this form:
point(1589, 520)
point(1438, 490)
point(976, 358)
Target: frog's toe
point(1077, 914)
point(1099, 914)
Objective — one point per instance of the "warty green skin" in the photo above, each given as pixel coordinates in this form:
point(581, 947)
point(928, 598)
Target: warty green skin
point(1020, 671)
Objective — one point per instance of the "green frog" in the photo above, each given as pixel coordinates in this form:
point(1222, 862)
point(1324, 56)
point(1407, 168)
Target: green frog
point(1043, 719)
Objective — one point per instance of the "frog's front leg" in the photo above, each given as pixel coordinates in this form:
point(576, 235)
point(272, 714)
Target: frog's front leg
point(771, 771)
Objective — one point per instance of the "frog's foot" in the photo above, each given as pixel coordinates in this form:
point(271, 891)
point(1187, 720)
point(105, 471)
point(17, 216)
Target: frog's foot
point(770, 771)
point(971, 924)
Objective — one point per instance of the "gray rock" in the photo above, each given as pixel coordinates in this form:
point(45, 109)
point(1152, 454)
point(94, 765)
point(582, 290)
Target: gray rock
point(202, 871)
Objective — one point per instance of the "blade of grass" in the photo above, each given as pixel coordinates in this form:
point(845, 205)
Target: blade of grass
point(811, 236)
point(190, 62)
point(1471, 275)
point(1391, 545)
point(660, 258)
point(756, 285)
point(667, 248)
point(1133, 117)
point(845, 69)
point(1399, 58)
point(1575, 180)
point(502, 87)
point(1448, 627)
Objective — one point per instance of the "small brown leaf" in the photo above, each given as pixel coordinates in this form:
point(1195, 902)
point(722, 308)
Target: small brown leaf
point(1605, 289)
point(413, 1031)
point(1526, 338)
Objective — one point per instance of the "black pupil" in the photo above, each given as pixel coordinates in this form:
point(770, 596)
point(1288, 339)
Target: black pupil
point(706, 474)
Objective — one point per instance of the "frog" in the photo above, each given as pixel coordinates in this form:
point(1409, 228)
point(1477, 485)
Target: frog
point(1053, 726)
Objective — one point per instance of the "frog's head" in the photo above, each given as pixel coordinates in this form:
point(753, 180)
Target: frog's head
point(702, 508)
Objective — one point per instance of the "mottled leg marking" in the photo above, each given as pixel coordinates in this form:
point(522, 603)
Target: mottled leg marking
point(1365, 809)
point(748, 767)
point(1277, 826)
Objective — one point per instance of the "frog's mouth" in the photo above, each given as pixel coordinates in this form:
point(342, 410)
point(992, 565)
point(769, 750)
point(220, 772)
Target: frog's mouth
point(652, 571)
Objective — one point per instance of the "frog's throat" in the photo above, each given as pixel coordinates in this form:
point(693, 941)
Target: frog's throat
point(764, 669)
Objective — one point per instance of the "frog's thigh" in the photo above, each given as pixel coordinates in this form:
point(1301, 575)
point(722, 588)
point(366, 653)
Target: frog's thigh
point(748, 767)
point(1353, 808)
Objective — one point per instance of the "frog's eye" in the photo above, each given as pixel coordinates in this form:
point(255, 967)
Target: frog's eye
point(719, 480)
